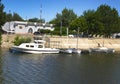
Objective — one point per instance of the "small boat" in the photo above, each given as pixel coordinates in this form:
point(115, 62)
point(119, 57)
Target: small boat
point(76, 51)
point(68, 51)
point(102, 49)
point(37, 47)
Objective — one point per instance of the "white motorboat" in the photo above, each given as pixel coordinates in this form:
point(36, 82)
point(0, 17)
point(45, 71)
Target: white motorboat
point(102, 49)
point(37, 47)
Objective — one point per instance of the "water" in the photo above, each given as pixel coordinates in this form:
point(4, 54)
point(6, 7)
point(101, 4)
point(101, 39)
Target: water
point(59, 68)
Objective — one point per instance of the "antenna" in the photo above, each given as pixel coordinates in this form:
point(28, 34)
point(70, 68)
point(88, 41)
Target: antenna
point(40, 11)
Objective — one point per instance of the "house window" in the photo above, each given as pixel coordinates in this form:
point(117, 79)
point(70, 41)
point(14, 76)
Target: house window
point(30, 30)
point(20, 27)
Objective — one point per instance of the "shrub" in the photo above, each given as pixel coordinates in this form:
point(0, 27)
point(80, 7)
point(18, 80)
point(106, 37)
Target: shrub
point(19, 40)
point(0, 38)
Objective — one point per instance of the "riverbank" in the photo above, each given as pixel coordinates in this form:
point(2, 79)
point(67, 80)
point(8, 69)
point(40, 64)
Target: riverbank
point(86, 43)
point(64, 42)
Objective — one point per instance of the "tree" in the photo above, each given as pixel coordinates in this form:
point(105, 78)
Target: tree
point(36, 20)
point(78, 23)
point(8, 17)
point(16, 17)
point(2, 19)
point(67, 16)
point(2, 15)
point(94, 26)
point(109, 17)
point(64, 18)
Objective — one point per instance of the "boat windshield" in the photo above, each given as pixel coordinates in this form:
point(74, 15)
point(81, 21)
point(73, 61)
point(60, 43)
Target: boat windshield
point(40, 46)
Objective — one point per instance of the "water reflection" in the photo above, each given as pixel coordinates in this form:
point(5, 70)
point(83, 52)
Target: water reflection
point(1, 70)
point(59, 68)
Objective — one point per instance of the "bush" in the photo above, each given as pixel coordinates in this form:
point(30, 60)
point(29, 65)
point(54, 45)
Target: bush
point(0, 38)
point(19, 40)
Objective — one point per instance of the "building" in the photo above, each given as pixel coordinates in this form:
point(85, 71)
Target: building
point(19, 27)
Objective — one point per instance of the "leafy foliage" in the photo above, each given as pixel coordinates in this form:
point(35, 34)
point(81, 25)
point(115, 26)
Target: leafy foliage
point(19, 40)
point(2, 15)
point(109, 17)
point(43, 31)
point(2, 18)
point(104, 21)
point(14, 17)
point(0, 38)
point(36, 20)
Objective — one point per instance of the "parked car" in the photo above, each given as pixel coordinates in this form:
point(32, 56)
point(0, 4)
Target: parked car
point(37, 33)
point(71, 35)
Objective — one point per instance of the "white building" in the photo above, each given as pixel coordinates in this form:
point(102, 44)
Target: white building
point(19, 27)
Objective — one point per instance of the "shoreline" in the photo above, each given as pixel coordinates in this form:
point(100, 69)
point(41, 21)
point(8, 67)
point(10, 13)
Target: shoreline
point(64, 42)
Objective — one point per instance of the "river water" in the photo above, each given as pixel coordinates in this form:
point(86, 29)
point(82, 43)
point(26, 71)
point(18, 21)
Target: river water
point(96, 68)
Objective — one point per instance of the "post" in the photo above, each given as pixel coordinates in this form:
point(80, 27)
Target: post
point(77, 38)
point(67, 31)
point(61, 29)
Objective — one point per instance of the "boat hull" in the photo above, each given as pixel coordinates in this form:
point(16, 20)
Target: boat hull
point(34, 51)
point(76, 51)
point(67, 51)
point(70, 51)
point(101, 50)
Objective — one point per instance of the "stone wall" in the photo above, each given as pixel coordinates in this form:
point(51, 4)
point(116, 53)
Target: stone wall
point(64, 42)
point(85, 43)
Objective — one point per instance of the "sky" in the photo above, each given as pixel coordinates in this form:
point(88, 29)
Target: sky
point(31, 8)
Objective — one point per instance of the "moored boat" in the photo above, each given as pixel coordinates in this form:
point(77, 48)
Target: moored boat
point(76, 51)
point(68, 51)
point(37, 47)
point(102, 49)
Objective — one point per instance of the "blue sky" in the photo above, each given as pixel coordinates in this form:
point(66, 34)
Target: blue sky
point(31, 8)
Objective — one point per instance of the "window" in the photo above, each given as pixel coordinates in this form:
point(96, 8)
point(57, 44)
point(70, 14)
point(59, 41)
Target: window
point(32, 46)
point(27, 45)
point(30, 30)
point(20, 27)
point(40, 46)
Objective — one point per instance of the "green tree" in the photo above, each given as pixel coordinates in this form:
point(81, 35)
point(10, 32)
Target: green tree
point(109, 17)
point(78, 23)
point(2, 15)
point(16, 17)
point(64, 18)
point(8, 17)
point(2, 18)
point(36, 20)
point(94, 26)
point(68, 16)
